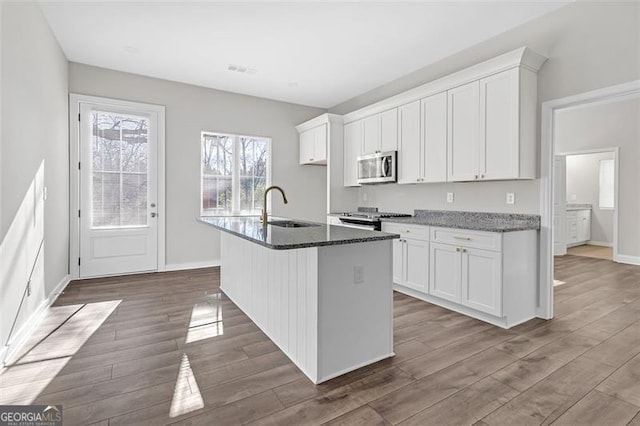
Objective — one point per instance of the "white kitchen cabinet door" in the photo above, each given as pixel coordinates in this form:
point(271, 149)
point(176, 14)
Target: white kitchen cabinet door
point(482, 280)
point(409, 143)
point(444, 271)
point(389, 130)
point(352, 149)
point(313, 145)
point(499, 142)
point(583, 219)
point(463, 132)
point(434, 138)
point(320, 143)
point(398, 261)
point(307, 140)
point(417, 265)
point(371, 134)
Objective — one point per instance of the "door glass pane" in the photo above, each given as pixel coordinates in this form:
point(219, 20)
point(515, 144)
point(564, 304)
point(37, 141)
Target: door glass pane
point(119, 160)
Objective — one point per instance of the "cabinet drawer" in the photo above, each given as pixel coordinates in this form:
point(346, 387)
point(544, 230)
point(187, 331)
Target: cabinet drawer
point(467, 238)
point(418, 232)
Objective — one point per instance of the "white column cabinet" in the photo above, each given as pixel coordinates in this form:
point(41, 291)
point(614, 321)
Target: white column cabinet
point(578, 227)
point(313, 145)
point(409, 143)
point(353, 133)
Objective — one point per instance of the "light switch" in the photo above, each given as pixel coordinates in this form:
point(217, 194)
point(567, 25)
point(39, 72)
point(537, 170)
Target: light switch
point(449, 197)
point(511, 198)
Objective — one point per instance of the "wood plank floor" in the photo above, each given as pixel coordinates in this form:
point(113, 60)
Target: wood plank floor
point(599, 252)
point(171, 348)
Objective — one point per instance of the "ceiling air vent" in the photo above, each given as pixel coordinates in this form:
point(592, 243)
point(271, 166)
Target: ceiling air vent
point(242, 69)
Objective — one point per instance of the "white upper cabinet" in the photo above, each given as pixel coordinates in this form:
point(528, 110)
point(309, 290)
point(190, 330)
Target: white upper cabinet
point(463, 132)
point(409, 143)
point(380, 132)
point(492, 128)
point(389, 130)
point(434, 138)
point(353, 142)
point(313, 145)
point(473, 125)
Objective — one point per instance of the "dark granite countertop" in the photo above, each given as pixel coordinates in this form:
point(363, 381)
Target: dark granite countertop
point(479, 221)
point(279, 238)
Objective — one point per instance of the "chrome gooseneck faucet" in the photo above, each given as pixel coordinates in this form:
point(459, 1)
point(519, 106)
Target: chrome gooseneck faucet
point(264, 204)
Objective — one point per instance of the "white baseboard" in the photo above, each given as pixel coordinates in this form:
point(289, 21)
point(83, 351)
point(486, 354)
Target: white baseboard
point(599, 243)
point(631, 260)
point(23, 334)
point(191, 265)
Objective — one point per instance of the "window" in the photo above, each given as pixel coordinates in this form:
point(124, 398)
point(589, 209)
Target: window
point(606, 184)
point(235, 173)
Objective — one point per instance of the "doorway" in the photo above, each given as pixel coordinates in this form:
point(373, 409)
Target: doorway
point(548, 210)
point(117, 188)
point(585, 203)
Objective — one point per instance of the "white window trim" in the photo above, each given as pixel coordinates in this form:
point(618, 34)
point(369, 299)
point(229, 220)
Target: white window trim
point(236, 170)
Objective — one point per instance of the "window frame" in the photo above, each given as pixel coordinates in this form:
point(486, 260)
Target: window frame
point(235, 179)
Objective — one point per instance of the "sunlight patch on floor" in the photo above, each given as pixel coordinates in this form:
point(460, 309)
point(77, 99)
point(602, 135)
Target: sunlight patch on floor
point(63, 331)
point(206, 319)
point(186, 395)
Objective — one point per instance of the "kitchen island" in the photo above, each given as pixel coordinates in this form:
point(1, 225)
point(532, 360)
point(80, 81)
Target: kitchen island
point(321, 293)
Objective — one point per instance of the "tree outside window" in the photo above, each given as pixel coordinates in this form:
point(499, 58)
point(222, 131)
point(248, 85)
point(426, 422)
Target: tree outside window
point(235, 173)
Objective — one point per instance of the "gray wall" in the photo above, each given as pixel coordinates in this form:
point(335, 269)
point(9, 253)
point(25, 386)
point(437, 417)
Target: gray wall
point(603, 126)
point(583, 187)
point(34, 131)
point(589, 45)
point(190, 110)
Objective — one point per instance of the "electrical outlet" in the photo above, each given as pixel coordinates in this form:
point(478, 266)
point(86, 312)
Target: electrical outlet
point(511, 198)
point(358, 274)
point(449, 197)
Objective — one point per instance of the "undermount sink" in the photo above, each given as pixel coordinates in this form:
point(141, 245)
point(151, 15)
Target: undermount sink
point(290, 224)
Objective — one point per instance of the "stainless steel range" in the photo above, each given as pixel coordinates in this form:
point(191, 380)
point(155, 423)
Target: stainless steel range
point(367, 218)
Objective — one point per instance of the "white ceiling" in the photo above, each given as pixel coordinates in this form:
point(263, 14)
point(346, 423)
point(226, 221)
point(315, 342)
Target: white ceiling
point(311, 53)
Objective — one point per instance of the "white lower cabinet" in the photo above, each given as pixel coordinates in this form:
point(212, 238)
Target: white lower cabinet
point(481, 273)
point(491, 276)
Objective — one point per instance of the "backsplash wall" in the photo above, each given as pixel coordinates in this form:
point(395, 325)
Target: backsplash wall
point(472, 196)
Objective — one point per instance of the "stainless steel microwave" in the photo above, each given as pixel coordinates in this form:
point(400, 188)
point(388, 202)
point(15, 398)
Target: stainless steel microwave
point(377, 168)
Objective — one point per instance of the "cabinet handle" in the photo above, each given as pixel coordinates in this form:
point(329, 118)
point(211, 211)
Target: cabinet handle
point(464, 250)
point(458, 249)
point(407, 231)
point(458, 237)
point(310, 159)
point(481, 176)
point(475, 177)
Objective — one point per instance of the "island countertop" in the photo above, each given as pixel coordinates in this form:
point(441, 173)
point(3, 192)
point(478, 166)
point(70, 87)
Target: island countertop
point(280, 238)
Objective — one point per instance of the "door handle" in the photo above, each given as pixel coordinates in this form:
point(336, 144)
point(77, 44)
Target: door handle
point(154, 214)
point(153, 205)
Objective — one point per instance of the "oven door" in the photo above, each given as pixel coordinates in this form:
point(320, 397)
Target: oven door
point(377, 168)
point(359, 224)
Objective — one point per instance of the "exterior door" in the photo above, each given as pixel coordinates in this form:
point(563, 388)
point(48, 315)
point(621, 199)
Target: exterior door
point(560, 231)
point(118, 190)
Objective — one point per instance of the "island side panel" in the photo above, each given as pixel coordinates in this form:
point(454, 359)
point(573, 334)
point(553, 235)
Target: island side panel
point(278, 290)
point(355, 320)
